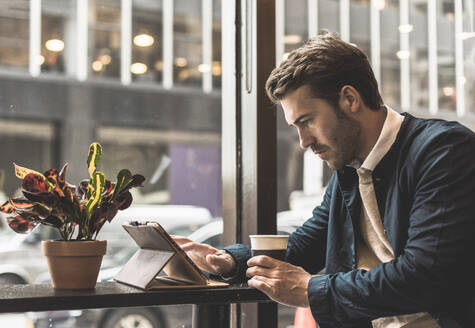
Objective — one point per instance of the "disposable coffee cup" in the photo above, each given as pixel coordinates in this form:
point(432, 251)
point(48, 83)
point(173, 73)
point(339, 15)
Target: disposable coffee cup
point(271, 245)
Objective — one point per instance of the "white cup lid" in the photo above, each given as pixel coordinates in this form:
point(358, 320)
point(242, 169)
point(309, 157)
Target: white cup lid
point(261, 242)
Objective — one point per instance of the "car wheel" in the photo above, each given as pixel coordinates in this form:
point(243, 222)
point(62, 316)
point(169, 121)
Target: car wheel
point(133, 318)
point(11, 279)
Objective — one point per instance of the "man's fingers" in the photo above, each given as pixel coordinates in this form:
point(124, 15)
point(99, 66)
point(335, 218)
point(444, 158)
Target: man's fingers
point(260, 271)
point(263, 261)
point(261, 283)
point(181, 240)
point(189, 246)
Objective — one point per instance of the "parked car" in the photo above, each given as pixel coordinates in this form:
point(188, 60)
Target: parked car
point(158, 316)
point(22, 261)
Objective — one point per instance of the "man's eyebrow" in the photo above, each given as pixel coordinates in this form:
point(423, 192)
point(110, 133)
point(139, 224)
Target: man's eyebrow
point(300, 118)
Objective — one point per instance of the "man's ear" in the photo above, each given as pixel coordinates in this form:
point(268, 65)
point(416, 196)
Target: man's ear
point(350, 98)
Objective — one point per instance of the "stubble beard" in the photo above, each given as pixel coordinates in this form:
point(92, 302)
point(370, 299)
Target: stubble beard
point(345, 138)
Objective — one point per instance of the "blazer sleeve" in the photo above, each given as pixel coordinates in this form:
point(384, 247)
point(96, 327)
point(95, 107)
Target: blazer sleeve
point(307, 245)
point(435, 269)
point(310, 238)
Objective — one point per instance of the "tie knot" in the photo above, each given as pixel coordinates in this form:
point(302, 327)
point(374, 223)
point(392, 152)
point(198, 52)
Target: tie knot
point(364, 175)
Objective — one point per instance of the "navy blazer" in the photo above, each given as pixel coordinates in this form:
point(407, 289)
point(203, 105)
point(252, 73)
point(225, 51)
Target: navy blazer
point(425, 188)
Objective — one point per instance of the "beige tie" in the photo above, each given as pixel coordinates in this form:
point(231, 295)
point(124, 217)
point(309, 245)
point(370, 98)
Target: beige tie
point(371, 225)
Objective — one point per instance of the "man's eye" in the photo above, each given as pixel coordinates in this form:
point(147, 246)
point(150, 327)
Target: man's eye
point(305, 123)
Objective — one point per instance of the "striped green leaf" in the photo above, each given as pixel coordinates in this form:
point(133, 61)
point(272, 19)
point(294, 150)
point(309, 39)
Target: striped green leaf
point(98, 182)
point(95, 152)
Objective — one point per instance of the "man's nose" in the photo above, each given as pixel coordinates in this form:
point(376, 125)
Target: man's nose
point(305, 139)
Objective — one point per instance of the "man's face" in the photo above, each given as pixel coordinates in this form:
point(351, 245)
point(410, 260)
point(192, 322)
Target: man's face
point(329, 131)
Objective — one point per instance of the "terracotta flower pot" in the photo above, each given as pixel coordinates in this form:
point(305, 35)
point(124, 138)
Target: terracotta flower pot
point(74, 264)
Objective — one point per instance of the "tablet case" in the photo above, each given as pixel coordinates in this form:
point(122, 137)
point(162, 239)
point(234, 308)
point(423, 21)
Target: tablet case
point(158, 251)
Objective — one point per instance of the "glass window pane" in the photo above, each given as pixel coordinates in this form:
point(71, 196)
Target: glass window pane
point(216, 64)
point(14, 34)
point(296, 26)
point(329, 15)
point(360, 25)
point(57, 38)
point(390, 65)
point(469, 57)
point(418, 56)
point(187, 43)
point(172, 137)
point(147, 40)
point(446, 54)
point(104, 38)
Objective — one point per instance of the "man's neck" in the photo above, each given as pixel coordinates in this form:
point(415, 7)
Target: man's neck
point(372, 125)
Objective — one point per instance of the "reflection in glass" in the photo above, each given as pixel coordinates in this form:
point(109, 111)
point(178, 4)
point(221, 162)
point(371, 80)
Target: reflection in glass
point(418, 55)
point(57, 31)
point(104, 38)
point(187, 43)
point(359, 25)
point(147, 41)
point(14, 34)
point(469, 56)
point(216, 63)
point(390, 65)
point(329, 15)
point(446, 54)
point(296, 26)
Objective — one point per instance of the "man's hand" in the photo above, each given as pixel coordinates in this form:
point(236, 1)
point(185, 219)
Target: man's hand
point(206, 257)
point(282, 282)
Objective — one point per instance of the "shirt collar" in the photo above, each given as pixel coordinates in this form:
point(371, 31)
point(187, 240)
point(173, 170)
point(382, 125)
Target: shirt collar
point(388, 135)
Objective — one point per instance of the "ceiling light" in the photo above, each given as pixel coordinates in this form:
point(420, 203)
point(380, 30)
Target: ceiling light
point(138, 68)
point(406, 28)
point(403, 54)
point(380, 4)
point(143, 40)
point(448, 91)
point(216, 68)
point(184, 74)
point(292, 39)
point(158, 65)
point(203, 68)
point(181, 62)
point(97, 66)
point(40, 60)
point(54, 45)
point(105, 59)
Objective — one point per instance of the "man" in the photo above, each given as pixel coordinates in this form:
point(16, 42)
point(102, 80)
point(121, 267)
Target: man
point(395, 230)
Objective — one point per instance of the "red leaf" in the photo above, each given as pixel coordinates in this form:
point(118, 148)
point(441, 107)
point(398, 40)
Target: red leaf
point(52, 175)
point(34, 183)
point(53, 220)
point(7, 207)
point(21, 204)
point(22, 223)
point(108, 188)
point(45, 198)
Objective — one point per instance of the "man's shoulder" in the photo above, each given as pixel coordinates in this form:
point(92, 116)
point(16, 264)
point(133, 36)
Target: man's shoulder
point(419, 133)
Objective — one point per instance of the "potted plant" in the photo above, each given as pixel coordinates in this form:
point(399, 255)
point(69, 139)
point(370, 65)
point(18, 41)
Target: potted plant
point(78, 212)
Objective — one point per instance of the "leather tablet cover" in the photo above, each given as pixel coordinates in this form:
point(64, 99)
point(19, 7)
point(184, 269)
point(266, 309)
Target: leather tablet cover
point(158, 251)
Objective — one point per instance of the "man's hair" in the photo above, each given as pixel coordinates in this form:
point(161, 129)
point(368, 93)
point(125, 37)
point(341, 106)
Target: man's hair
point(326, 64)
